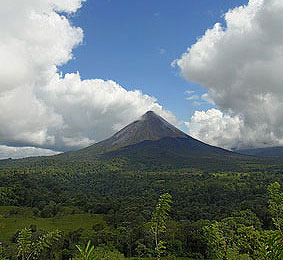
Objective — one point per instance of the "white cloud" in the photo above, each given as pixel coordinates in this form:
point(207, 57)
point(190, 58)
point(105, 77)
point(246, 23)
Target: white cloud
point(215, 128)
point(205, 97)
point(189, 92)
point(197, 103)
point(21, 152)
point(94, 109)
point(229, 131)
point(38, 106)
point(193, 97)
point(241, 66)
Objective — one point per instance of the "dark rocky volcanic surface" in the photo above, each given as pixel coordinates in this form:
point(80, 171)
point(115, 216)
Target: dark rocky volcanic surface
point(149, 127)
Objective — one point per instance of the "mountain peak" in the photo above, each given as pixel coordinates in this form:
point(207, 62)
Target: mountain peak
point(153, 137)
point(149, 126)
point(149, 113)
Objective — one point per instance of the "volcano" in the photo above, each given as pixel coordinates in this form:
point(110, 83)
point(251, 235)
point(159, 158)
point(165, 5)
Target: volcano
point(149, 127)
point(152, 140)
point(149, 143)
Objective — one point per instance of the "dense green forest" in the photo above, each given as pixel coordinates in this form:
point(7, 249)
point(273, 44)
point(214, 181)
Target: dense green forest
point(214, 214)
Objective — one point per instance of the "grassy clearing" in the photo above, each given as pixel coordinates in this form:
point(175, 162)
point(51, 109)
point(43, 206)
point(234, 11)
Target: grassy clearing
point(9, 225)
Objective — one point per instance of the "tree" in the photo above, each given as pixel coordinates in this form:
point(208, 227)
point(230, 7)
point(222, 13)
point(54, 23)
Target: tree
point(217, 246)
point(28, 248)
point(158, 222)
point(276, 205)
point(275, 245)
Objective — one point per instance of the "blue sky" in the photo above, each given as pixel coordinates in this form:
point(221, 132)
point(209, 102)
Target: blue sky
point(69, 70)
point(134, 43)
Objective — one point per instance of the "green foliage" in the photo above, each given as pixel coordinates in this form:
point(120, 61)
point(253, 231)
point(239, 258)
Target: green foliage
point(103, 253)
point(217, 247)
point(67, 223)
point(100, 253)
point(233, 254)
point(29, 248)
point(3, 255)
point(275, 245)
point(86, 252)
point(124, 197)
point(6, 196)
point(249, 242)
point(276, 205)
point(230, 239)
point(24, 244)
point(142, 250)
point(237, 237)
point(158, 222)
point(49, 210)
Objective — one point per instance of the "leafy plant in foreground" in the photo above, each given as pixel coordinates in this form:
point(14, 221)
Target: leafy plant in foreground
point(100, 253)
point(158, 222)
point(27, 248)
point(86, 252)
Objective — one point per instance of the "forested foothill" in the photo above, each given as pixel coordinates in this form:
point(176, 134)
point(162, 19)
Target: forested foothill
point(60, 206)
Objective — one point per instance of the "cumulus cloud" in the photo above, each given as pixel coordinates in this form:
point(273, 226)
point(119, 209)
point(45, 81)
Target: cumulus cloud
point(94, 109)
point(198, 100)
point(22, 152)
point(193, 97)
point(41, 108)
point(206, 98)
point(241, 65)
point(216, 128)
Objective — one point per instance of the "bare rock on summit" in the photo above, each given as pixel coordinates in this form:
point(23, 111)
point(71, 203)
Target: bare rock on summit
point(149, 127)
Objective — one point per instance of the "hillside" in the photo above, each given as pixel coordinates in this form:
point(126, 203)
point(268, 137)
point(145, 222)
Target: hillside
point(152, 140)
point(148, 142)
point(264, 152)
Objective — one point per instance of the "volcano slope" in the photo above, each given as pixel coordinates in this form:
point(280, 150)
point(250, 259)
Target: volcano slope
point(151, 141)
